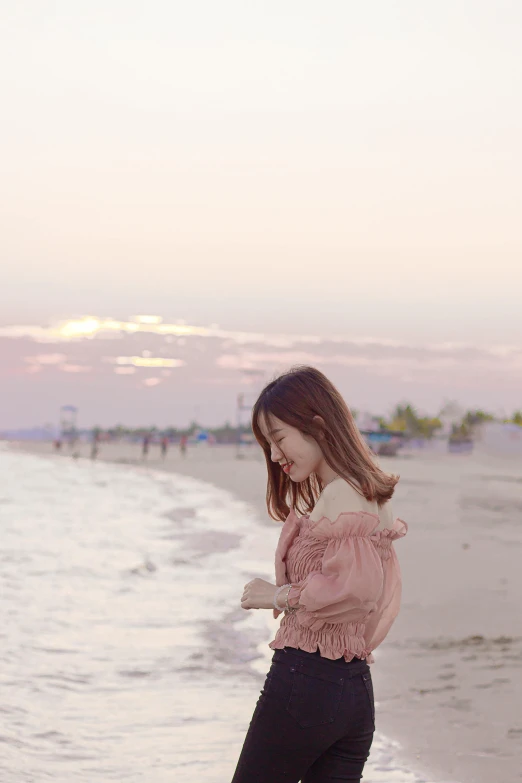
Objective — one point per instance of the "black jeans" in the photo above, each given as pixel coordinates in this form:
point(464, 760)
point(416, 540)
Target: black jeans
point(313, 722)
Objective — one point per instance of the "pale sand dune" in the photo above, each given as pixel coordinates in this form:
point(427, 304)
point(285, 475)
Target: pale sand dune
point(448, 679)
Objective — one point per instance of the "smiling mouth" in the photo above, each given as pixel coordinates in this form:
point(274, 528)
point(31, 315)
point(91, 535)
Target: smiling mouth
point(287, 466)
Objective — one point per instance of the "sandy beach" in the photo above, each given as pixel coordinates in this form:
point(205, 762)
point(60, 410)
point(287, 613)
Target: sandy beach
point(448, 679)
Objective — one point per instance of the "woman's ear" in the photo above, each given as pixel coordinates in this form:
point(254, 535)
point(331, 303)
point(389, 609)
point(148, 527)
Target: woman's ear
point(319, 422)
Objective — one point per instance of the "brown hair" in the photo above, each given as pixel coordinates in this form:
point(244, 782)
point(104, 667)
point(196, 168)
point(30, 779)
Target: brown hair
point(296, 397)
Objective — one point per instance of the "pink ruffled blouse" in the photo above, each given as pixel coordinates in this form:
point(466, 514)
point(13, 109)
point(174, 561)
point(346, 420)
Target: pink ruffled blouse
point(347, 579)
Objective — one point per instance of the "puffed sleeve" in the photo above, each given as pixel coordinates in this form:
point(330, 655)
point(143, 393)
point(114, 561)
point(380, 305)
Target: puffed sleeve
point(350, 582)
point(388, 605)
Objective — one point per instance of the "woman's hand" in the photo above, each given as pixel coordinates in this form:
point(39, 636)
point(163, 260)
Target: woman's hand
point(258, 594)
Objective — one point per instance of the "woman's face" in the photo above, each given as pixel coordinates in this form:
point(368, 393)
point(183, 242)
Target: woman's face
point(298, 455)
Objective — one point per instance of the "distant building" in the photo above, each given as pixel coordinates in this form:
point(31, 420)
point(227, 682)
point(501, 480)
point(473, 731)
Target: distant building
point(498, 439)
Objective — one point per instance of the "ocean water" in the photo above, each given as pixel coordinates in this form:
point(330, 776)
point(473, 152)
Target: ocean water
point(125, 654)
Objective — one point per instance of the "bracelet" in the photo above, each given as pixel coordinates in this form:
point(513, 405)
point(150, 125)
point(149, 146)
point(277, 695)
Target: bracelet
point(279, 608)
point(287, 608)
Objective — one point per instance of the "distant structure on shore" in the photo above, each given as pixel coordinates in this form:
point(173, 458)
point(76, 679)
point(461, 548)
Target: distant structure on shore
point(499, 439)
point(383, 442)
point(453, 429)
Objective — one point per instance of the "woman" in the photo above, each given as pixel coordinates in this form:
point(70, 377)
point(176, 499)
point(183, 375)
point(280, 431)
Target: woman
point(338, 583)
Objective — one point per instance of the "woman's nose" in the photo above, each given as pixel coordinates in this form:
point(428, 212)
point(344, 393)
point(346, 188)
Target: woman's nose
point(275, 454)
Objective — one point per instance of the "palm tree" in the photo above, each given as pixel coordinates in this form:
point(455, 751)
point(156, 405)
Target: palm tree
point(404, 419)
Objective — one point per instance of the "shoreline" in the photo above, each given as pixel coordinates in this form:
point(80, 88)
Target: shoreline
point(447, 677)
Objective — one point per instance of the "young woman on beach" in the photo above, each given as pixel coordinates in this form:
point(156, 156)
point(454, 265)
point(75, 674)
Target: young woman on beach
point(338, 583)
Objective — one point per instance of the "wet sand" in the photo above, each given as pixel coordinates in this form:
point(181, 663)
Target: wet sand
point(448, 678)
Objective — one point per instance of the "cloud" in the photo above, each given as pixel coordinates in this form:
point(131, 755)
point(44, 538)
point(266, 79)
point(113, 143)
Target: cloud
point(74, 368)
point(248, 361)
point(46, 358)
point(371, 370)
point(146, 361)
point(57, 360)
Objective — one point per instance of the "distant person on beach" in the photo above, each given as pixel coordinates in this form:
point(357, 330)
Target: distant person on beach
point(145, 446)
point(95, 445)
point(338, 583)
point(183, 445)
point(164, 446)
point(57, 443)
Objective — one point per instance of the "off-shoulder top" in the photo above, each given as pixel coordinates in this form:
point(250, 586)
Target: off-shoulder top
point(346, 579)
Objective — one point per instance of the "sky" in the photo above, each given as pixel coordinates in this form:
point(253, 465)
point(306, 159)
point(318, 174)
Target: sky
point(336, 184)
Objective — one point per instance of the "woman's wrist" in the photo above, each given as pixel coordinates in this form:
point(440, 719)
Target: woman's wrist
point(278, 597)
point(291, 607)
point(281, 599)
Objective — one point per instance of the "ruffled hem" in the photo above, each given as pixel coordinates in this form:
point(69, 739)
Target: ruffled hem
point(348, 647)
point(383, 539)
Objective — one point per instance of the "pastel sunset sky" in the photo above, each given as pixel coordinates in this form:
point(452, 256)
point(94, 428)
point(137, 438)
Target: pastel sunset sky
point(270, 183)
